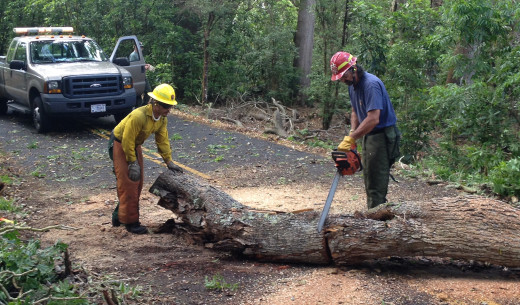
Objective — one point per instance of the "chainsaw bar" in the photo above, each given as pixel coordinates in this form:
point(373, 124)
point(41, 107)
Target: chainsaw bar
point(328, 202)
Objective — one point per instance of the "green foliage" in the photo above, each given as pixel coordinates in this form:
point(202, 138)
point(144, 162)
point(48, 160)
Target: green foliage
point(218, 159)
point(37, 173)
point(176, 137)
point(8, 205)
point(218, 283)
point(411, 59)
point(469, 33)
point(6, 179)
point(370, 37)
point(126, 292)
point(33, 145)
point(505, 177)
point(452, 72)
point(29, 269)
point(318, 143)
point(215, 148)
point(264, 51)
point(333, 98)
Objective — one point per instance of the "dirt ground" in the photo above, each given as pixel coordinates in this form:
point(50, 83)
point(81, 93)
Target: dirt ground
point(172, 269)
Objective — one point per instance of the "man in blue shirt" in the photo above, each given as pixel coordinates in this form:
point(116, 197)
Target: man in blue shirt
point(373, 120)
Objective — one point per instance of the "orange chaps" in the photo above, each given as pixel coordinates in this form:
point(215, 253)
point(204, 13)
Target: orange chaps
point(128, 191)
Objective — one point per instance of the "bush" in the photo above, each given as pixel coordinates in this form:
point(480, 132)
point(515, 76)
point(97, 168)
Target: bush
point(505, 178)
point(28, 274)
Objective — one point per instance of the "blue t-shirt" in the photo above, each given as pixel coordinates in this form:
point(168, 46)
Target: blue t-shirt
point(370, 94)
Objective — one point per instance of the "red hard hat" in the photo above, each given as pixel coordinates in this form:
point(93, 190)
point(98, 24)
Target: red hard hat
point(340, 63)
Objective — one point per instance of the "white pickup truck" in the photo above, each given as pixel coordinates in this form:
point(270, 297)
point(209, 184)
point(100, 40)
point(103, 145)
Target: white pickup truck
point(49, 73)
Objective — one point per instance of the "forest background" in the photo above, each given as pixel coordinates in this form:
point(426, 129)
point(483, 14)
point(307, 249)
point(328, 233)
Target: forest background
point(451, 67)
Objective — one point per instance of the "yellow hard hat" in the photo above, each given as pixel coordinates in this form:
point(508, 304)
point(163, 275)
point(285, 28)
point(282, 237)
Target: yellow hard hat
point(164, 93)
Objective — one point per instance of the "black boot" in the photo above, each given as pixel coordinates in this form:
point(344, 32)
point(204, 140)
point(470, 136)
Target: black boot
point(136, 228)
point(115, 217)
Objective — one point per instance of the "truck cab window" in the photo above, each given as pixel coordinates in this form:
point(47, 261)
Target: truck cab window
point(65, 51)
point(12, 48)
point(20, 53)
point(127, 48)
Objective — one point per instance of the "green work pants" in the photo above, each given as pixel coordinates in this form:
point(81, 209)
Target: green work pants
point(380, 150)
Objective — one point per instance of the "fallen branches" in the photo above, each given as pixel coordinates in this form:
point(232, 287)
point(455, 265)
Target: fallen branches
point(13, 227)
point(468, 228)
point(283, 118)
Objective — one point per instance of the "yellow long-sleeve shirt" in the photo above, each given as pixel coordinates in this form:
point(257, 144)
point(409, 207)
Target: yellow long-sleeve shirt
point(137, 127)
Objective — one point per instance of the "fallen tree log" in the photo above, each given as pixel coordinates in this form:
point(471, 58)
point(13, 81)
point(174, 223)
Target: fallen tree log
point(468, 228)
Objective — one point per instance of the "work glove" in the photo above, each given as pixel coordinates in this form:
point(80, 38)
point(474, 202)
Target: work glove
point(173, 167)
point(347, 144)
point(134, 171)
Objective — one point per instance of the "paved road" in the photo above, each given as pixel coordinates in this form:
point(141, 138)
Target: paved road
point(74, 152)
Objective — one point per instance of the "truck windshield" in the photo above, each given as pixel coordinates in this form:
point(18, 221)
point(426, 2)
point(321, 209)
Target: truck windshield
point(49, 51)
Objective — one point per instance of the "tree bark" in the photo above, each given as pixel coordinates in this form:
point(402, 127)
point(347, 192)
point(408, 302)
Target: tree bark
point(435, 3)
point(304, 41)
point(468, 228)
point(205, 51)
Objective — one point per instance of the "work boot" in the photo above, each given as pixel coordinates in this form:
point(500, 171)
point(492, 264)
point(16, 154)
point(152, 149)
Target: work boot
point(115, 217)
point(136, 228)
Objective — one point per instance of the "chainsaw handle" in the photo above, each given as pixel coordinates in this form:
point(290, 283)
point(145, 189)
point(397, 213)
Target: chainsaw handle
point(336, 154)
point(342, 161)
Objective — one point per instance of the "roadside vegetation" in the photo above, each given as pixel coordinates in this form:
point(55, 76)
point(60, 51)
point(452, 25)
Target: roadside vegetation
point(31, 273)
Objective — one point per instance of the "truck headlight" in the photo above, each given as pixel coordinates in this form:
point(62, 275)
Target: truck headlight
point(127, 82)
point(52, 87)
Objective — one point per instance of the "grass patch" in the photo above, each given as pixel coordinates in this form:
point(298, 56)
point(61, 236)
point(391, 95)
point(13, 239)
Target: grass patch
point(218, 159)
point(8, 205)
point(37, 173)
point(176, 137)
point(33, 145)
point(219, 283)
point(6, 179)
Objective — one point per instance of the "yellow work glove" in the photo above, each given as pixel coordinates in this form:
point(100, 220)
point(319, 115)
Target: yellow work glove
point(347, 144)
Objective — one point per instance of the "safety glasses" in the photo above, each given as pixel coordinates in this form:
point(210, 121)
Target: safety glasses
point(163, 105)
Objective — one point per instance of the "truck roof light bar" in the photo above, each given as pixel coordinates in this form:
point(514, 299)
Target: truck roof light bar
point(43, 30)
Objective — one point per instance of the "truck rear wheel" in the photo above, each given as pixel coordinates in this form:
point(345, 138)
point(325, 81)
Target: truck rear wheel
point(41, 120)
point(3, 105)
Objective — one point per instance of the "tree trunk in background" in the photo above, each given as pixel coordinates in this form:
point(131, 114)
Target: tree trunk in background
point(304, 41)
point(468, 228)
point(205, 68)
point(435, 3)
point(396, 4)
point(345, 36)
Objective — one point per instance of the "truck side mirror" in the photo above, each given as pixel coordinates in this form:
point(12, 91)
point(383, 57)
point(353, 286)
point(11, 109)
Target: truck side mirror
point(18, 65)
point(121, 61)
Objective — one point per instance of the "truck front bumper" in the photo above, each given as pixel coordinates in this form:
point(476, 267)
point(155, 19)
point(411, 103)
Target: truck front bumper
point(57, 104)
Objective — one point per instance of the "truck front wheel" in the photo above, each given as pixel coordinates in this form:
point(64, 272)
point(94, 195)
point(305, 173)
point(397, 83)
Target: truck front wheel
point(118, 117)
point(3, 105)
point(139, 101)
point(41, 120)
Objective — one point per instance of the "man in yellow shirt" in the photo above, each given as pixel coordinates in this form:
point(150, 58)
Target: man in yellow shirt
point(127, 138)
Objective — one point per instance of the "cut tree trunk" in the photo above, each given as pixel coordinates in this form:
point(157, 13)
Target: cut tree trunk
point(468, 228)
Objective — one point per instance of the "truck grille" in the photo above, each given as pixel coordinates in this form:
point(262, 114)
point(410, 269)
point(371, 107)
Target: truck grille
point(92, 86)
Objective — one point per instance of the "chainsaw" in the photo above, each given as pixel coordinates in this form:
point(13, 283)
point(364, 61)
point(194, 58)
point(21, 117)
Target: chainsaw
point(347, 163)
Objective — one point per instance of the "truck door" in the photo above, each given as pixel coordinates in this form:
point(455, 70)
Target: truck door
point(16, 80)
point(129, 48)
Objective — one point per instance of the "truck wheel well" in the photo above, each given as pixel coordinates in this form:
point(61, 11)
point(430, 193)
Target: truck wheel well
point(32, 94)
